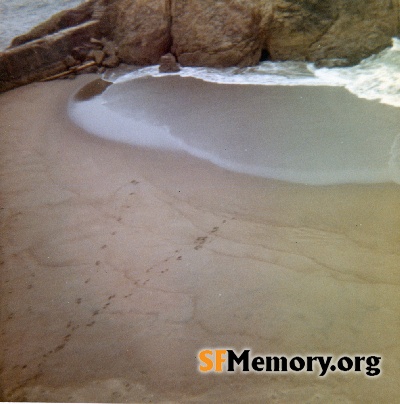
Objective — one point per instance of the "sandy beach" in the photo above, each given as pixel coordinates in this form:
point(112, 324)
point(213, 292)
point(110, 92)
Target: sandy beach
point(119, 264)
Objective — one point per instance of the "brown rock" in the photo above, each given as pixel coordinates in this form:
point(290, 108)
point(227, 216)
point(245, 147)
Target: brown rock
point(141, 29)
point(80, 52)
point(168, 64)
point(71, 61)
point(347, 31)
point(363, 28)
point(43, 57)
point(62, 20)
point(217, 33)
point(96, 55)
point(109, 48)
point(111, 61)
point(227, 33)
point(203, 33)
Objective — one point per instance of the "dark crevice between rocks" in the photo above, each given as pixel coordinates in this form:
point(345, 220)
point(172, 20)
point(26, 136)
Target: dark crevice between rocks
point(170, 22)
point(168, 61)
point(265, 55)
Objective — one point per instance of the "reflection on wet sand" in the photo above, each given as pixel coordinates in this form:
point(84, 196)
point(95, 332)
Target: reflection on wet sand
point(308, 134)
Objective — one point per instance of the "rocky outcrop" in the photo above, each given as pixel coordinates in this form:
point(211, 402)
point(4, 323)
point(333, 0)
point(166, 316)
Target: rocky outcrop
point(41, 58)
point(141, 29)
point(62, 20)
point(218, 33)
point(202, 33)
point(52, 47)
point(340, 31)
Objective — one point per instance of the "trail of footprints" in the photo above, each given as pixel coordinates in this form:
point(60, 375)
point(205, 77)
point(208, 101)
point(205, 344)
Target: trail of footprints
point(72, 327)
point(199, 243)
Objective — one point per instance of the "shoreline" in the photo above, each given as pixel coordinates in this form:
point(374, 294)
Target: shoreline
point(120, 263)
point(303, 134)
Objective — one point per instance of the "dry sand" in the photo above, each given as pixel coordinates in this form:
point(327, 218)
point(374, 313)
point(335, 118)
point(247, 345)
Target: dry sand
point(120, 264)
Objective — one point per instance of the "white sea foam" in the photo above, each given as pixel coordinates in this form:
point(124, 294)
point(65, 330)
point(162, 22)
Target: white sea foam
point(281, 134)
point(375, 78)
point(266, 73)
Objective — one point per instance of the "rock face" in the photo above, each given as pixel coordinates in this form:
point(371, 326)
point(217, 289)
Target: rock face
point(218, 33)
point(226, 33)
point(317, 30)
point(62, 20)
point(48, 48)
point(141, 29)
point(40, 58)
point(203, 33)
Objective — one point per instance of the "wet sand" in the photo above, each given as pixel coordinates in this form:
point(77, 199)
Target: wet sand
point(305, 134)
point(119, 264)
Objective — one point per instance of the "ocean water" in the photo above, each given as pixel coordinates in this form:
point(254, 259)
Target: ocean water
point(288, 121)
point(375, 78)
point(19, 16)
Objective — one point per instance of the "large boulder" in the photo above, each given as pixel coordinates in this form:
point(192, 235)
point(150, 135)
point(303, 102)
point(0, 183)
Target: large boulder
point(322, 30)
point(237, 32)
point(140, 28)
point(218, 33)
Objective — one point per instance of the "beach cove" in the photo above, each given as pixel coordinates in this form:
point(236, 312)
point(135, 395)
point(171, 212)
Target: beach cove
point(120, 263)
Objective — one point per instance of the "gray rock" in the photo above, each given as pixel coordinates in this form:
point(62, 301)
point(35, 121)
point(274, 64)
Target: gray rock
point(96, 55)
point(111, 61)
point(109, 48)
point(71, 61)
point(168, 64)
